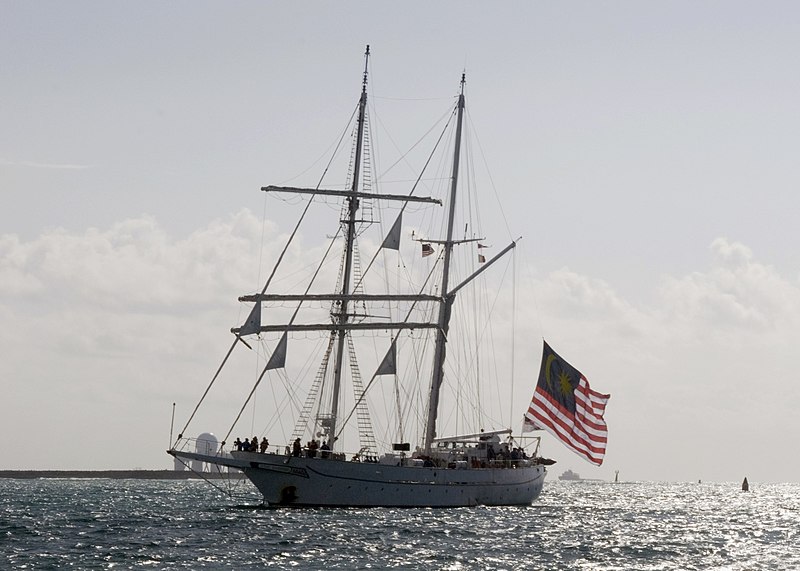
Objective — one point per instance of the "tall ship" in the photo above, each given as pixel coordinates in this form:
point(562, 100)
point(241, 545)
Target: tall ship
point(375, 362)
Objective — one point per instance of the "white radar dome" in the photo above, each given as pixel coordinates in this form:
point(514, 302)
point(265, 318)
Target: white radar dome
point(206, 443)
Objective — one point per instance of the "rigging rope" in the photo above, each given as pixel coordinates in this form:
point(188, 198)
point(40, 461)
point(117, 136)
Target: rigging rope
point(291, 321)
point(405, 320)
point(411, 192)
point(266, 285)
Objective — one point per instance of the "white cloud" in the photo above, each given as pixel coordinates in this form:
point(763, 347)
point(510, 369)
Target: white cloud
point(737, 294)
point(112, 325)
point(132, 263)
point(706, 369)
point(117, 314)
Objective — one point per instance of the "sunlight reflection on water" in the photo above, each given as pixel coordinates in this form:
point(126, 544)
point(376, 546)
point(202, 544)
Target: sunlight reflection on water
point(93, 524)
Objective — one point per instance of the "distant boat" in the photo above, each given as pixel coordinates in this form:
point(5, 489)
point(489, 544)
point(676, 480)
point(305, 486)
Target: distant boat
point(745, 486)
point(569, 475)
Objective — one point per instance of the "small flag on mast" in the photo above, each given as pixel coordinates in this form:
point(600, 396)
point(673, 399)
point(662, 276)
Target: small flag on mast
point(481, 258)
point(528, 425)
point(427, 250)
point(565, 406)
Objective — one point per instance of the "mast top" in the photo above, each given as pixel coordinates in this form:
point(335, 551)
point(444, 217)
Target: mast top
point(366, 63)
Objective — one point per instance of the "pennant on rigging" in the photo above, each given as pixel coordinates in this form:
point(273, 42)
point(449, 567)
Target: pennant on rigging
point(392, 240)
point(278, 358)
point(427, 250)
point(564, 405)
point(253, 323)
point(389, 364)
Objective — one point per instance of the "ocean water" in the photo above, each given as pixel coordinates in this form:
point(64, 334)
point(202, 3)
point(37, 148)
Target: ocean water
point(140, 524)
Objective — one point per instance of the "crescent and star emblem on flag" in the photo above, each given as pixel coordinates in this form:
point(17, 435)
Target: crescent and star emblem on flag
point(565, 383)
point(548, 363)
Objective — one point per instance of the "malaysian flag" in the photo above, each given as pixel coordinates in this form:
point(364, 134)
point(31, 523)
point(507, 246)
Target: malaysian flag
point(565, 406)
point(427, 250)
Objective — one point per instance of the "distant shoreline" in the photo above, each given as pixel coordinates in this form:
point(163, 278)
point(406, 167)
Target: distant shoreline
point(113, 474)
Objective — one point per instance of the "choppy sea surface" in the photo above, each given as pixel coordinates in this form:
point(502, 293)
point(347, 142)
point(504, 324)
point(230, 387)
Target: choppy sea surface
point(141, 524)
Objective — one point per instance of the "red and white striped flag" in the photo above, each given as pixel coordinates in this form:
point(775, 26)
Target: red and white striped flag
point(565, 406)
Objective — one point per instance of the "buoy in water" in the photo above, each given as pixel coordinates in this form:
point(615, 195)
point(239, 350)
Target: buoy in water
point(745, 485)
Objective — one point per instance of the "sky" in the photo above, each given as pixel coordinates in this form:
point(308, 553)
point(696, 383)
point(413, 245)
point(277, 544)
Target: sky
point(648, 151)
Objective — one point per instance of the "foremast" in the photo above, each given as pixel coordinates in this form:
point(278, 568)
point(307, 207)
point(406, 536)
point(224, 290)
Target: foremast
point(350, 233)
point(445, 307)
point(341, 322)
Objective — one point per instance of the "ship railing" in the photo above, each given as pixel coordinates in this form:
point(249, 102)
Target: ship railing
point(502, 463)
point(223, 449)
point(199, 446)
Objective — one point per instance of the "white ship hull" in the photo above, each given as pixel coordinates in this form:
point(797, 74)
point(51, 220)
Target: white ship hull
point(310, 482)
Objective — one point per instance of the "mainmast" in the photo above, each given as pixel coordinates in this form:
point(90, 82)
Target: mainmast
point(350, 234)
point(446, 306)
